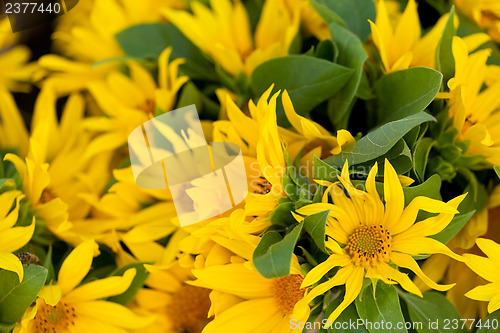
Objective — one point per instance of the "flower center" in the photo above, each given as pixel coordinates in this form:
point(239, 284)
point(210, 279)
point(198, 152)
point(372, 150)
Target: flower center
point(188, 309)
point(54, 319)
point(47, 195)
point(369, 245)
point(287, 292)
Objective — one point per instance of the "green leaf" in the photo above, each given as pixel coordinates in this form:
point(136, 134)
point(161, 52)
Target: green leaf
point(497, 170)
point(315, 226)
point(149, 40)
point(324, 171)
point(139, 279)
point(353, 13)
point(491, 324)
point(379, 141)
point(349, 315)
point(381, 305)
point(431, 309)
point(456, 224)
point(6, 328)
point(420, 157)
point(281, 215)
point(351, 55)
point(273, 256)
point(445, 62)
point(291, 189)
point(430, 188)
point(407, 92)
point(308, 80)
point(15, 297)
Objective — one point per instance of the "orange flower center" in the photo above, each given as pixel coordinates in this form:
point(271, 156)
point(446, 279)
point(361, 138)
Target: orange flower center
point(188, 309)
point(369, 245)
point(287, 292)
point(54, 319)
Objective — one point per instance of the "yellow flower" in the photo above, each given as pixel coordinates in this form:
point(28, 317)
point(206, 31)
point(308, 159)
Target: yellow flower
point(489, 269)
point(223, 32)
point(401, 46)
point(68, 307)
point(486, 14)
point(127, 102)
point(87, 35)
point(242, 299)
point(13, 132)
point(366, 236)
point(15, 72)
point(439, 267)
point(12, 238)
point(472, 107)
point(311, 21)
point(55, 173)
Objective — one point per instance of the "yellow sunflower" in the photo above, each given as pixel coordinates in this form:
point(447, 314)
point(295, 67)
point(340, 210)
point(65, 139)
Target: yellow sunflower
point(238, 290)
point(87, 34)
point(128, 102)
point(13, 132)
point(473, 108)
point(12, 238)
point(485, 13)
point(366, 235)
point(223, 32)
point(68, 306)
point(55, 172)
point(15, 72)
point(400, 44)
point(489, 269)
point(486, 224)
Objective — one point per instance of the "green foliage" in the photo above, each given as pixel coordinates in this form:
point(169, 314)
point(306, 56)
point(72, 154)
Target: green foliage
point(445, 63)
point(17, 296)
point(308, 80)
point(273, 255)
point(315, 226)
point(380, 305)
point(405, 93)
point(433, 311)
point(147, 41)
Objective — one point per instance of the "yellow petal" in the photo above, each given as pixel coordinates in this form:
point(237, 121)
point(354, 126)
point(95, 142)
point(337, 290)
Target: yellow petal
point(484, 293)
point(10, 262)
point(406, 261)
point(51, 294)
point(484, 267)
point(112, 313)
point(393, 196)
point(111, 286)
point(401, 278)
point(76, 266)
point(352, 290)
point(15, 238)
point(315, 274)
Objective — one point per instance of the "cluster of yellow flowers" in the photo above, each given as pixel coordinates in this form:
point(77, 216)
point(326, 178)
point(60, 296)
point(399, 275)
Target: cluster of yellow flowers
point(331, 217)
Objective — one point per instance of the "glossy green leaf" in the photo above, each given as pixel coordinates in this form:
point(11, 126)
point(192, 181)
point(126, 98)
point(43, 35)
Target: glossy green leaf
point(379, 141)
point(445, 62)
point(281, 215)
point(149, 40)
point(407, 92)
point(432, 311)
point(430, 188)
point(347, 321)
point(315, 226)
point(308, 80)
point(381, 306)
point(324, 171)
point(273, 256)
point(138, 282)
point(497, 170)
point(420, 157)
point(354, 14)
point(456, 224)
point(489, 325)
point(351, 55)
point(15, 297)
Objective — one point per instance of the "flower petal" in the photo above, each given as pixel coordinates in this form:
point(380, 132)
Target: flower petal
point(76, 266)
point(10, 262)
